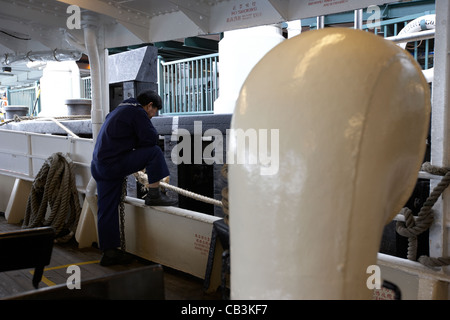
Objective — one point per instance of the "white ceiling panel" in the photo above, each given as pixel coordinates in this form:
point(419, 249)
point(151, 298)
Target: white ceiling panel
point(29, 26)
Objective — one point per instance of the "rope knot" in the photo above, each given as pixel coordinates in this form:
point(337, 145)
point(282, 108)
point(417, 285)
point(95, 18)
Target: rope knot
point(412, 227)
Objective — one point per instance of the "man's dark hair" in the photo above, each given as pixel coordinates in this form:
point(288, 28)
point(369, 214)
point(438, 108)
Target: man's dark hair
point(147, 96)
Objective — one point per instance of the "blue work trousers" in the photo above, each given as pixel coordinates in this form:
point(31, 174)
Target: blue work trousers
point(110, 177)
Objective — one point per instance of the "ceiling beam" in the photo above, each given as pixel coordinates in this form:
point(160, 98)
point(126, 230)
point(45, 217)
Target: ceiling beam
point(197, 12)
point(202, 43)
point(282, 7)
point(22, 77)
point(31, 34)
point(28, 14)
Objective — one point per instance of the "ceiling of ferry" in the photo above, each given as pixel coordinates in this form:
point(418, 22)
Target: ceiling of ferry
point(34, 26)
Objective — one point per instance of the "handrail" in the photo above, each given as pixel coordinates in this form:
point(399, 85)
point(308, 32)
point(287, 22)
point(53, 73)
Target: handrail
point(212, 55)
point(415, 36)
point(411, 267)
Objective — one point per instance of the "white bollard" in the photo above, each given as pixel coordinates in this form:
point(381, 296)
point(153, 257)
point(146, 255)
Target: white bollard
point(352, 111)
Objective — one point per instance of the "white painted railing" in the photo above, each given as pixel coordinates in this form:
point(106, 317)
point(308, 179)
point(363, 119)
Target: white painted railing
point(22, 154)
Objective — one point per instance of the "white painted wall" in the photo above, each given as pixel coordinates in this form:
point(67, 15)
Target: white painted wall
point(60, 81)
point(240, 50)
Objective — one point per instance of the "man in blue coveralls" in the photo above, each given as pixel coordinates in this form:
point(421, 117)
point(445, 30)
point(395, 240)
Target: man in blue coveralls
point(126, 143)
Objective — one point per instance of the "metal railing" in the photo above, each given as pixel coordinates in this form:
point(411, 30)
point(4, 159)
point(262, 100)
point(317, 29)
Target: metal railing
point(85, 88)
point(189, 85)
point(185, 86)
point(421, 46)
point(24, 97)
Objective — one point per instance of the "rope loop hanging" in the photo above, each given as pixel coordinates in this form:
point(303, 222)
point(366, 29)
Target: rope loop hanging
point(225, 201)
point(412, 227)
point(122, 214)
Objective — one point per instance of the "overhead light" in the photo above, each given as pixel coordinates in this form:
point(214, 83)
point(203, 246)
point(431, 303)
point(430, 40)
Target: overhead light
point(6, 69)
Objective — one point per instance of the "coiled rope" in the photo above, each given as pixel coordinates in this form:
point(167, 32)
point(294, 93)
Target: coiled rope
point(412, 227)
point(54, 187)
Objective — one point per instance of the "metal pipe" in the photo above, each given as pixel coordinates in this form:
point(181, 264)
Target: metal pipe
point(94, 60)
point(90, 37)
point(59, 124)
point(320, 22)
point(422, 26)
point(415, 36)
point(197, 86)
point(358, 19)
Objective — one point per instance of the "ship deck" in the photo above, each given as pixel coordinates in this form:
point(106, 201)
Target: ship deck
point(177, 285)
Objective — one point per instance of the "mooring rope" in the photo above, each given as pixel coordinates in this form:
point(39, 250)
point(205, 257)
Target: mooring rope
point(191, 194)
point(54, 186)
point(412, 227)
point(141, 177)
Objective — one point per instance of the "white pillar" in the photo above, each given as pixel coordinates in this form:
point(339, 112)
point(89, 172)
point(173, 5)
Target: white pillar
point(239, 51)
point(294, 28)
point(97, 62)
point(440, 134)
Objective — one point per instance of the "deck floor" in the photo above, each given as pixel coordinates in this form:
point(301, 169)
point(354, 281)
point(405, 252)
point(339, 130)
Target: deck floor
point(177, 285)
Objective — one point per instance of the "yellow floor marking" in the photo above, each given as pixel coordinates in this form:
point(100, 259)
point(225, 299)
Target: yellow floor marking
point(48, 282)
point(51, 283)
point(71, 264)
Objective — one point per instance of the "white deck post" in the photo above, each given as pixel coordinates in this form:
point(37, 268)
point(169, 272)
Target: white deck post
point(440, 135)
